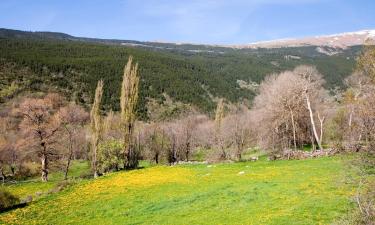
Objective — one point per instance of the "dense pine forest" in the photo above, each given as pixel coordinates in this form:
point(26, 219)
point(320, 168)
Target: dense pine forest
point(192, 75)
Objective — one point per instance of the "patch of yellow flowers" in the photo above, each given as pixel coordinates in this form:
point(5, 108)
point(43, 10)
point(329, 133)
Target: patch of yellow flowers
point(108, 186)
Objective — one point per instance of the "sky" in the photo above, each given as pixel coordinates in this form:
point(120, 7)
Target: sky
point(189, 21)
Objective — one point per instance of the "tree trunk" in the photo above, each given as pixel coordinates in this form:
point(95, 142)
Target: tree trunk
point(223, 152)
point(239, 155)
point(187, 152)
point(350, 118)
point(94, 155)
point(67, 168)
point(321, 120)
point(294, 129)
point(2, 175)
point(130, 155)
point(70, 154)
point(44, 168)
point(312, 142)
point(157, 158)
point(312, 121)
point(127, 145)
point(12, 166)
point(68, 165)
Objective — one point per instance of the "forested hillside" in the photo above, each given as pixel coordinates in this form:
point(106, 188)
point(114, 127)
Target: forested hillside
point(187, 73)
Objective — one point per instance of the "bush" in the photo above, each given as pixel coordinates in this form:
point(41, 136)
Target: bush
point(110, 156)
point(7, 199)
point(26, 171)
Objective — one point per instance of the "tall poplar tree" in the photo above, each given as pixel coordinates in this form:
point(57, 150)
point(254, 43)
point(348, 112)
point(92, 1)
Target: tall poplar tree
point(128, 103)
point(96, 125)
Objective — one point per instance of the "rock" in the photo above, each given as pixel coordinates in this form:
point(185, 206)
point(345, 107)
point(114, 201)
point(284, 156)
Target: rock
point(28, 199)
point(254, 158)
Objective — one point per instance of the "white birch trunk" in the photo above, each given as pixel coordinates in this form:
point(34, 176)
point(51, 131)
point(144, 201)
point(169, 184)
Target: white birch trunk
point(312, 121)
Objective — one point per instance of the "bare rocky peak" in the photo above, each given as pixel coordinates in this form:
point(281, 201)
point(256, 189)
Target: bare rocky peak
point(342, 40)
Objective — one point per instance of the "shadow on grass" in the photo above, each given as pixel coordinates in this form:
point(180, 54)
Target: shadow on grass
point(17, 206)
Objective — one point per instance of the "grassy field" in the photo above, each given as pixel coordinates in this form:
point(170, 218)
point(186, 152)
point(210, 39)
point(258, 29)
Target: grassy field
point(282, 192)
point(37, 189)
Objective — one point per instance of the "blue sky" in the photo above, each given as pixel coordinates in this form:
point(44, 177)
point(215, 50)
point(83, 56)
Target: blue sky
point(195, 21)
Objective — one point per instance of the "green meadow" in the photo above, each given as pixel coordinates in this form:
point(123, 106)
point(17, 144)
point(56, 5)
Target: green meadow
point(312, 191)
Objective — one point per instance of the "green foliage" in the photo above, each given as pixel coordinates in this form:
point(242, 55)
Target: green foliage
point(9, 91)
point(7, 199)
point(110, 155)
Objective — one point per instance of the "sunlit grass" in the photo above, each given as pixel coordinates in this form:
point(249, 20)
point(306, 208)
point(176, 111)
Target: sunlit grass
point(34, 187)
point(283, 192)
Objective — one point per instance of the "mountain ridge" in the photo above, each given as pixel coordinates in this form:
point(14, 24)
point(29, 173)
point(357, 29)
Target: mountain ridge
point(338, 40)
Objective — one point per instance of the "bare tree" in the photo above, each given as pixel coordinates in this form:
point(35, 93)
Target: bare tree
point(358, 84)
point(157, 142)
point(71, 118)
point(112, 126)
point(279, 109)
point(238, 127)
point(286, 108)
point(312, 84)
point(40, 128)
point(173, 132)
point(219, 115)
point(8, 157)
point(9, 137)
point(204, 133)
point(186, 128)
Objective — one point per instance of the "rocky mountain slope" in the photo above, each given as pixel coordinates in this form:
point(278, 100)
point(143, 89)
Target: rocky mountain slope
point(342, 40)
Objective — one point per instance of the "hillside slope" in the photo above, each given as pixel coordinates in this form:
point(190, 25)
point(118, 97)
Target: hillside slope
point(191, 74)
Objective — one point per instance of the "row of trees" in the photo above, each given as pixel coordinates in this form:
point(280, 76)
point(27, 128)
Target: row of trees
point(179, 139)
point(50, 129)
point(128, 103)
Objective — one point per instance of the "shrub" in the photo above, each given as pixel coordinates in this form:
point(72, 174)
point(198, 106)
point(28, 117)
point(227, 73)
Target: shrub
point(26, 171)
point(110, 156)
point(7, 199)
